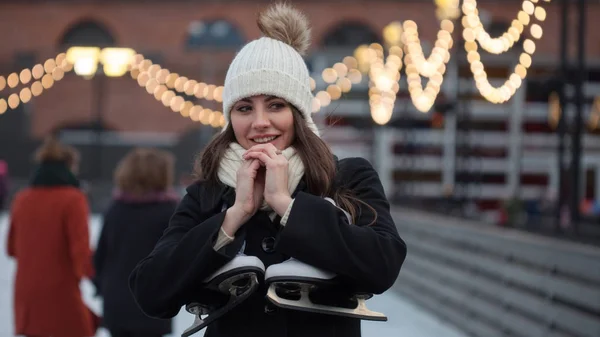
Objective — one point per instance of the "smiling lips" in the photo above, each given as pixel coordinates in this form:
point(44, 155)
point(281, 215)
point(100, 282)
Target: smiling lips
point(262, 140)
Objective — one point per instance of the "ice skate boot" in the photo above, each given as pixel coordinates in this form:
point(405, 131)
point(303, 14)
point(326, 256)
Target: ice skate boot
point(239, 279)
point(299, 286)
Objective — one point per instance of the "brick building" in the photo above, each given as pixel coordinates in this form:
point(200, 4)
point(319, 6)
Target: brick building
point(34, 31)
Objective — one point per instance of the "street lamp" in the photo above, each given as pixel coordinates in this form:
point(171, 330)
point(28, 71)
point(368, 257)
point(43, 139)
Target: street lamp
point(85, 62)
point(116, 60)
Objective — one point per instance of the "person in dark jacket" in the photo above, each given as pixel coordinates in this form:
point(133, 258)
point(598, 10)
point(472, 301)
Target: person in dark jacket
point(135, 220)
point(269, 177)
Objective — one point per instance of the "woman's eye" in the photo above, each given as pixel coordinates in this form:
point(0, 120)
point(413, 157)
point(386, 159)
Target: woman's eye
point(244, 108)
point(277, 106)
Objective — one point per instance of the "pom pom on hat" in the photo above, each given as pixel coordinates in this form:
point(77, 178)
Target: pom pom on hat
point(286, 24)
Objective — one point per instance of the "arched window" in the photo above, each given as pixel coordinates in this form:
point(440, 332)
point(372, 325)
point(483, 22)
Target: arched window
point(350, 35)
point(213, 34)
point(87, 33)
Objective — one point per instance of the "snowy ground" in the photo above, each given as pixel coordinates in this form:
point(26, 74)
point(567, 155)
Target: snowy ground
point(404, 318)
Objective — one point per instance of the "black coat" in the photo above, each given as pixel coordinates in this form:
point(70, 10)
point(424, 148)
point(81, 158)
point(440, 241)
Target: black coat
point(366, 258)
point(129, 233)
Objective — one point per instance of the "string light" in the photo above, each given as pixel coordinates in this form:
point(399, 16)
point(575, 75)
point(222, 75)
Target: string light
point(3, 106)
point(13, 101)
point(401, 39)
point(503, 43)
point(37, 88)
point(433, 68)
point(25, 95)
point(473, 32)
point(165, 86)
point(57, 74)
point(12, 80)
point(339, 78)
point(37, 71)
point(392, 34)
point(447, 9)
point(440, 53)
point(25, 76)
point(44, 77)
point(159, 91)
point(383, 84)
point(47, 81)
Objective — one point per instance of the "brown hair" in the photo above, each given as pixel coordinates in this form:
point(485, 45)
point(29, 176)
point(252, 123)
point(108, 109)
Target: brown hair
point(145, 170)
point(52, 150)
point(320, 174)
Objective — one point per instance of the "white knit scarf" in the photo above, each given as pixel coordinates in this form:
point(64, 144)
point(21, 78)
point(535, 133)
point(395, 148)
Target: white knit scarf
point(232, 161)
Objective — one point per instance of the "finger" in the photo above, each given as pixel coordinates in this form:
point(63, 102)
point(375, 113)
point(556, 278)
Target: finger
point(251, 165)
point(275, 160)
point(248, 157)
point(247, 163)
point(255, 168)
point(269, 149)
point(272, 151)
point(261, 146)
point(263, 157)
point(255, 164)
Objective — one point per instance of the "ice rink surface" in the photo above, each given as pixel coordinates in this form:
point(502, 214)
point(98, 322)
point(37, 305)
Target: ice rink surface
point(404, 318)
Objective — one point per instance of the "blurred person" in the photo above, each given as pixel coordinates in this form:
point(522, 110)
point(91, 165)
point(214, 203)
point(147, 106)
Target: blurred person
point(3, 183)
point(139, 213)
point(274, 207)
point(49, 239)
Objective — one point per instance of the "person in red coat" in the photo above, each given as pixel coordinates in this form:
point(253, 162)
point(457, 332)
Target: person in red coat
point(49, 239)
point(3, 183)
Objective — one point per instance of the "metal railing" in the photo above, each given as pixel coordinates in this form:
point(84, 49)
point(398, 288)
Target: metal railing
point(490, 281)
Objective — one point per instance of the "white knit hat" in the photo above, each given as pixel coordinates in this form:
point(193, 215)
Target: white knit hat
point(273, 64)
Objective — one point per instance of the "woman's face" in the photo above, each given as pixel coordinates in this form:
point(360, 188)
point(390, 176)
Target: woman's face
point(263, 119)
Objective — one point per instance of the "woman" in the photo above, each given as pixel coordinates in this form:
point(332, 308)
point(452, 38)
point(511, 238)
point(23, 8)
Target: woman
point(49, 239)
point(269, 178)
point(133, 223)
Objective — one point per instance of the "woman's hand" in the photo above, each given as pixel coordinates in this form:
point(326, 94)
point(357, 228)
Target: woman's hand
point(276, 191)
point(249, 189)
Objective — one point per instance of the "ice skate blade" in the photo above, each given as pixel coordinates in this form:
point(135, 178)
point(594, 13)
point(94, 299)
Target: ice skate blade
point(305, 304)
point(232, 279)
point(225, 280)
point(197, 309)
point(234, 301)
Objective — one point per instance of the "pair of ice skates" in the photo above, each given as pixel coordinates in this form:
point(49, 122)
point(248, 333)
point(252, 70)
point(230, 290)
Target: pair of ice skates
point(292, 285)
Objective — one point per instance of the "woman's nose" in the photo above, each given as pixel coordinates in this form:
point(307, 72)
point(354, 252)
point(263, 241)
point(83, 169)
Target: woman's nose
point(261, 120)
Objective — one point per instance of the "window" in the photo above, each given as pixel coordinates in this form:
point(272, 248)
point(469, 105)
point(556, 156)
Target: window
point(87, 33)
point(350, 35)
point(213, 34)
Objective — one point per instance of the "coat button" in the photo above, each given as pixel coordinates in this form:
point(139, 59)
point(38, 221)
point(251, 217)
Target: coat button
point(268, 244)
